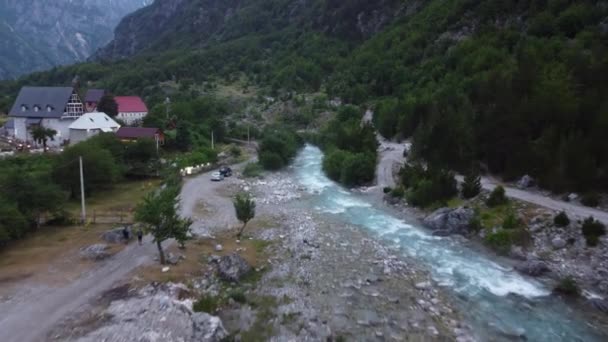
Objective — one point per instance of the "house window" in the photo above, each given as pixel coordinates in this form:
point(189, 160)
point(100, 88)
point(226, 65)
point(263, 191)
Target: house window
point(36, 108)
point(23, 108)
point(49, 108)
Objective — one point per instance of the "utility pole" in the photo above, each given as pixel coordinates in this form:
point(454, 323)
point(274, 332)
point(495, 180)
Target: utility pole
point(84, 211)
point(212, 141)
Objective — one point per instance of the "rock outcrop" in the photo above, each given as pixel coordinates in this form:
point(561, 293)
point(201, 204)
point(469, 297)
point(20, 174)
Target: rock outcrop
point(95, 252)
point(232, 267)
point(448, 221)
point(157, 314)
point(116, 235)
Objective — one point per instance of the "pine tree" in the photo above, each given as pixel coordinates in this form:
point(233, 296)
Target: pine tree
point(244, 207)
point(471, 186)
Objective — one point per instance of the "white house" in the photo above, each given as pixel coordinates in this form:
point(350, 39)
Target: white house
point(91, 124)
point(131, 109)
point(51, 107)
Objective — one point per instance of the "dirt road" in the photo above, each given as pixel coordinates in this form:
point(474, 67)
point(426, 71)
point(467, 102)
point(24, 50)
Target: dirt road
point(37, 308)
point(544, 201)
point(391, 155)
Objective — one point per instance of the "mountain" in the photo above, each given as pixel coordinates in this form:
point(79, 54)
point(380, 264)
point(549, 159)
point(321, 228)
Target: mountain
point(513, 87)
point(39, 34)
point(199, 23)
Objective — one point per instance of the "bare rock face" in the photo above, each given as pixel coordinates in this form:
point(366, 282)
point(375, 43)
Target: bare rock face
point(157, 314)
point(447, 221)
point(232, 267)
point(40, 34)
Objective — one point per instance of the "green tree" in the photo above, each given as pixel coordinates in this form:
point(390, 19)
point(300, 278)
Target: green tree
point(158, 212)
point(497, 197)
point(101, 170)
point(182, 137)
point(472, 185)
point(107, 104)
point(244, 207)
point(41, 134)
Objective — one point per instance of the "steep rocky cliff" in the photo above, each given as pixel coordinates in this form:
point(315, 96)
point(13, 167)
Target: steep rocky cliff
point(39, 34)
point(194, 23)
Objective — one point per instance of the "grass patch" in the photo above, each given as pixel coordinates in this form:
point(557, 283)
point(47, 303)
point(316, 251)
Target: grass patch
point(207, 304)
point(253, 170)
point(262, 329)
point(455, 203)
point(494, 217)
point(123, 197)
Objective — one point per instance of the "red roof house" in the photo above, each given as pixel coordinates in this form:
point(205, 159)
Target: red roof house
point(136, 133)
point(131, 109)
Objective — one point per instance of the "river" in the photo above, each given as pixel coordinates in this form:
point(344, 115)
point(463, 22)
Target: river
point(498, 303)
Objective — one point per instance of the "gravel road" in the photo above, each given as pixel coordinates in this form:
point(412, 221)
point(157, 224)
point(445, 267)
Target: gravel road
point(30, 314)
point(543, 201)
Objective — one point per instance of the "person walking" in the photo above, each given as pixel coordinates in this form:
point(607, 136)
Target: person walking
point(140, 236)
point(125, 235)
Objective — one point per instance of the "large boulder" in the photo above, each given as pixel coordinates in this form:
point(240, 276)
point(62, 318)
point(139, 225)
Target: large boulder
point(95, 252)
point(232, 267)
point(207, 328)
point(116, 235)
point(526, 182)
point(448, 221)
point(533, 268)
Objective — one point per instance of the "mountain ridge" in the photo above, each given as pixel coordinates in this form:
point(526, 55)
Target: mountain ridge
point(37, 35)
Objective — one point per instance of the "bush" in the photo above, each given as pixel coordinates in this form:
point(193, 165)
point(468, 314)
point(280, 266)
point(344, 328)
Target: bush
point(497, 197)
point(235, 151)
point(511, 221)
point(590, 199)
point(387, 190)
point(567, 286)
point(430, 187)
point(238, 296)
point(206, 304)
point(271, 161)
point(500, 241)
point(471, 186)
point(398, 192)
point(592, 230)
point(252, 170)
point(561, 219)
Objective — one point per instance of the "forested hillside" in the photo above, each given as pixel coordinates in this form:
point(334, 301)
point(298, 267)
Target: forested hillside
point(519, 86)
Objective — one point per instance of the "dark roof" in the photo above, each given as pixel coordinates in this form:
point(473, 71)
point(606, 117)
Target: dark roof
point(137, 132)
point(10, 124)
point(50, 101)
point(94, 95)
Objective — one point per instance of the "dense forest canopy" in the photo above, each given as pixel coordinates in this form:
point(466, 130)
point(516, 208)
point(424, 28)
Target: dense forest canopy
point(518, 86)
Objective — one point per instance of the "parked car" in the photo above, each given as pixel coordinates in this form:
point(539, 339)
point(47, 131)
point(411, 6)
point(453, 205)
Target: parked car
point(226, 171)
point(217, 177)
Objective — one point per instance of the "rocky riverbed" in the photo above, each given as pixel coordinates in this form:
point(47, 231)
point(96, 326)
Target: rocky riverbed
point(319, 280)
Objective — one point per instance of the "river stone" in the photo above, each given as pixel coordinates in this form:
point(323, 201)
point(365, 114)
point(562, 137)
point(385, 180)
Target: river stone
point(558, 243)
point(232, 267)
point(517, 252)
point(207, 328)
point(115, 235)
point(95, 252)
point(533, 268)
point(448, 221)
point(600, 304)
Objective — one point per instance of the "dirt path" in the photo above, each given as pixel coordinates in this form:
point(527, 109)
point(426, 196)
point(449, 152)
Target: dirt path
point(391, 155)
point(37, 308)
